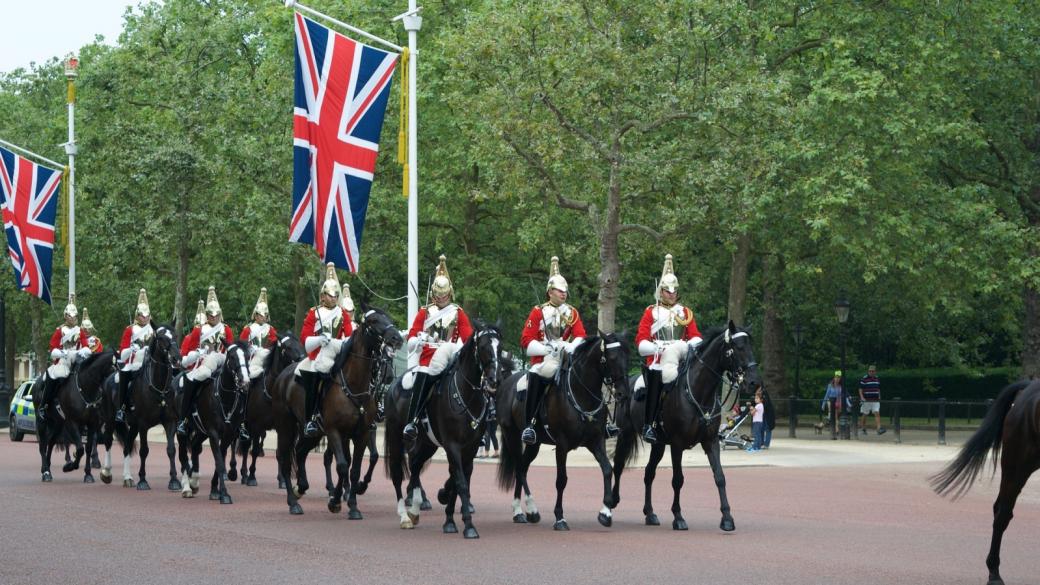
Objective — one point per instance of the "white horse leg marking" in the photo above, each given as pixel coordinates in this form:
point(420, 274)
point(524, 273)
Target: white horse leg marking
point(126, 468)
point(402, 513)
point(531, 508)
point(185, 485)
point(517, 510)
point(606, 512)
point(416, 502)
point(106, 469)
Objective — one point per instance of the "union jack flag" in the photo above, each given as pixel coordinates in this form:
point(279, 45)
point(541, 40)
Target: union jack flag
point(29, 207)
point(342, 87)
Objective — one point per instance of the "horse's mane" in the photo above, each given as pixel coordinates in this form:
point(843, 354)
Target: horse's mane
point(270, 355)
point(709, 334)
point(587, 346)
point(89, 360)
point(344, 351)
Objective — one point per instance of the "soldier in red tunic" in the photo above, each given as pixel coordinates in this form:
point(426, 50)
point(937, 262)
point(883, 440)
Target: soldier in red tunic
point(666, 332)
point(437, 334)
point(136, 338)
point(93, 341)
point(68, 345)
point(203, 350)
point(324, 330)
point(261, 336)
point(551, 328)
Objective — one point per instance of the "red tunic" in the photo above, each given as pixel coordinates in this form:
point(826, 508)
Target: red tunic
point(272, 335)
point(191, 342)
point(312, 327)
point(647, 322)
point(463, 331)
point(128, 335)
point(95, 344)
point(56, 339)
point(534, 330)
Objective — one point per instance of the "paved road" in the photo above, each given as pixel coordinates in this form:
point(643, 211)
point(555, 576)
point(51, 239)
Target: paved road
point(806, 512)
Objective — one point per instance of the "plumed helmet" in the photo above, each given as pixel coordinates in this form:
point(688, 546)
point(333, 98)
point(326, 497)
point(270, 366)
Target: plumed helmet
point(331, 285)
point(87, 324)
point(261, 304)
point(200, 313)
point(556, 280)
point(441, 281)
point(212, 304)
point(345, 302)
point(142, 304)
point(668, 280)
point(70, 309)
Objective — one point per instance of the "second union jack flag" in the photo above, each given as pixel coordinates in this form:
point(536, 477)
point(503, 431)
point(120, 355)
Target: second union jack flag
point(342, 87)
point(30, 204)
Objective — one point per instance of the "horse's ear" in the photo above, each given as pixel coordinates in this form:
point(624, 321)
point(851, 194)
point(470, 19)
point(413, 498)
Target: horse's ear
point(364, 307)
point(732, 326)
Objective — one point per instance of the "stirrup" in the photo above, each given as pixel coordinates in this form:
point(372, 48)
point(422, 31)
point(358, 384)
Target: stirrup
point(121, 415)
point(649, 435)
point(380, 412)
point(311, 430)
point(182, 427)
point(243, 434)
point(529, 436)
point(612, 430)
point(410, 432)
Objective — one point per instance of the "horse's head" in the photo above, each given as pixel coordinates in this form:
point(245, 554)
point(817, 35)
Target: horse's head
point(377, 330)
point(236, 368)
point(614, 361)
point(163, 347)
point(487, 343)
point(737, 356)
point(289, 349)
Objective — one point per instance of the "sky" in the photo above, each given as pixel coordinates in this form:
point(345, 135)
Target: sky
point(36, 30)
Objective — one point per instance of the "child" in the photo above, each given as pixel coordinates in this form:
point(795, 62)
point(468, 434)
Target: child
point(757, 420)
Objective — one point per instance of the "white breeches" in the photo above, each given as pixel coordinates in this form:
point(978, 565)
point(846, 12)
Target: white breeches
point(325, 360)
point(441, 357)
point(207, 364)
point(549, 366)
point(256, 362)
point(63, 367)
point(133, 360)
point(668, 363)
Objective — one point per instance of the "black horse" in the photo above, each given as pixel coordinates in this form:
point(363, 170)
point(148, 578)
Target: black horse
point(219, 406)
point(691, 412)
point(74, 413)
point(573, 413)
point(1011, 433)
point(457, 412)
point(259, 412)
point(347, 410)
point(152, 394)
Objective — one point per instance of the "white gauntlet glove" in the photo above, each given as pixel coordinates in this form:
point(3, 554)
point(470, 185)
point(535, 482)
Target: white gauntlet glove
point(83, 352)
point(693, 343)
point(536, 348)
point(312, 343)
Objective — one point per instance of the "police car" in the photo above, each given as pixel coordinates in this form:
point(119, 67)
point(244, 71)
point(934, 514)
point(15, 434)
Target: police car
point(22, 416)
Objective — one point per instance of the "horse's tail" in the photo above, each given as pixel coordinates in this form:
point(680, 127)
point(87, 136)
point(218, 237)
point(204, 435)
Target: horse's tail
point(122, 433)
point(510, 457)
point(627, 447)
point(242, 446)
point(960, 474)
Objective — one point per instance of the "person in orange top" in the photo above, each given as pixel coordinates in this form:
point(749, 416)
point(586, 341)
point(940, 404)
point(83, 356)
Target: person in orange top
point(93, 341)
point(136, 338)
point(203, 350)
point(666, 332)
point(437, 334)
point(551, 328)
point(324, 330)
point(69, 344)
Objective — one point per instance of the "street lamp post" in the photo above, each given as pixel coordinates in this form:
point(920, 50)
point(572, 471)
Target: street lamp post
point(797, 333)
point(841, 308)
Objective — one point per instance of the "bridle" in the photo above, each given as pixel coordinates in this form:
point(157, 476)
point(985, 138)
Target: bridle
point(737, 373)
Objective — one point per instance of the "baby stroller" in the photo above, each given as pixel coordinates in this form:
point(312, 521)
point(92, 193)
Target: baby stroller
point(729, 430)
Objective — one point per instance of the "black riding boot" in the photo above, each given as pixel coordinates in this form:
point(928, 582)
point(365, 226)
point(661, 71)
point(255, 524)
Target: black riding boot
point(310, 381)
point(535, 386)
point(187, 405)
point(124, 397)
point(419, 391)
point(48, 396)
point(243, 433)
point(653, 400)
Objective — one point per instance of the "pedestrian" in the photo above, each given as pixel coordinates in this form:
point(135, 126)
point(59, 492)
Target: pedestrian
point(870, 400)
point(769, 416)
point(832, 402)
point(490, 435)
point(757, 423)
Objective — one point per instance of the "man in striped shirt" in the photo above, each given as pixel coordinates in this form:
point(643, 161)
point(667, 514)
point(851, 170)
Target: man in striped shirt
point(870, 400)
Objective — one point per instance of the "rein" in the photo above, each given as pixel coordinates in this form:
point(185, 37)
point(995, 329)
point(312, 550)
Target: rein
point(482, 386)
point(738, 375)
point(565, 382)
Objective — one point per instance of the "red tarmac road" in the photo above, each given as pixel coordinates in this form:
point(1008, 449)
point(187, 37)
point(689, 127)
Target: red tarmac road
point(867, 524)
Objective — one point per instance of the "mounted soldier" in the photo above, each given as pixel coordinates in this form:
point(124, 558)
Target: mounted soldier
point(93, 341)
point(552, 328)
point(68, 346)
point(666, 333)
point(437, 334)
point(261, 337)
point(324, 330)
point(203, 350)
point(136, 338)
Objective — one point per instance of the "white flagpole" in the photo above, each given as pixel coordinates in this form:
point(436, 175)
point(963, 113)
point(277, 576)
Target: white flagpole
point(32, 154)
point(412, 23)
point(71, 66)
point(353, 29)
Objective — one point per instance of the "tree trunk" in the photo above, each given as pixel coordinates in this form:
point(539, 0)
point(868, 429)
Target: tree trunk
point(10, 349)
point(773, 372)
point(180, 303)
point(1031, 333)
point(610, 265)
point(738, 280)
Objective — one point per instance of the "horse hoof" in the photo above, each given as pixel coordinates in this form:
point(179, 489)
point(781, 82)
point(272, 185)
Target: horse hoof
point(70, 466)
point(442, 497)
point(95, 462)
point(425, 505)
point(335, 507)
point(997, 581)
point(251, 482)
point(450, 528)
point(470, 533)
point(727, 525)
point(534, 517)
point(469, 509)
point(296, 492)
point(281, 484)
point(47, 477)
point(88, 479)
point(561, 525)
point(128, 483)
point(225, 499)
point(232, 474)
point(361, 488)
point(354, 514)
point(414, 518)
point(295, 509)
point(106, 478)
point(187, 494)
point(194, 489)
point(605, 520)
point(519, 519)
point(652, 520)
point(214, 496)
point(244, 479)
point(679, 524)
point(406, 524)
point(174, 485)
point(142, 486)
